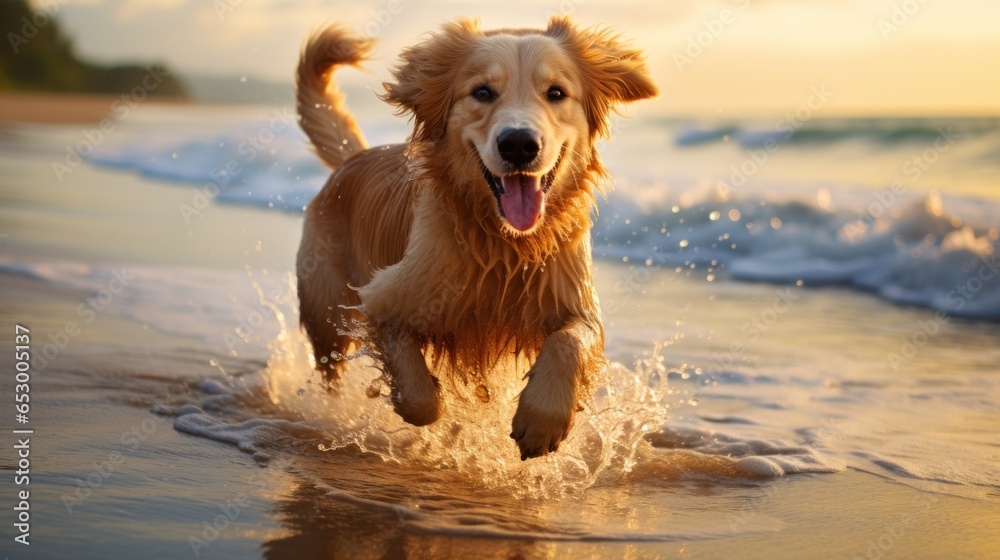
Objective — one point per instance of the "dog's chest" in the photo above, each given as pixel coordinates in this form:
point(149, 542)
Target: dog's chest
point(460, 289)
point(528, 300)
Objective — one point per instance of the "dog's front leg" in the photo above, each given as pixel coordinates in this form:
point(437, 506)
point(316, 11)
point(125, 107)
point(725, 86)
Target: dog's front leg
point(414, 389)
point(547, 404)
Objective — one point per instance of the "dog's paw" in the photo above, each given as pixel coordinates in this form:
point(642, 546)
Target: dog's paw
point(539, 433)
point(420, 407)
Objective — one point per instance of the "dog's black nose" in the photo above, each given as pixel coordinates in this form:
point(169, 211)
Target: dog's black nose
point(518, 145)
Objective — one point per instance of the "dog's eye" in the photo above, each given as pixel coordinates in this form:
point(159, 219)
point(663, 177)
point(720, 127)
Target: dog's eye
point(555, 93)
point(484, 94)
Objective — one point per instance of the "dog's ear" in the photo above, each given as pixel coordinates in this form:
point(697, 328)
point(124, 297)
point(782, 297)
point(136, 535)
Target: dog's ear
point(612, 72)
point(424, 77)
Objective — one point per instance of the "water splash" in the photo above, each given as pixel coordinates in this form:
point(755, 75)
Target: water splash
point(472, 437)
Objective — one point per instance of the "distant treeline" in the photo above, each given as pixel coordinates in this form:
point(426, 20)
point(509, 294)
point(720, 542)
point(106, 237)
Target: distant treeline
point(37, 56)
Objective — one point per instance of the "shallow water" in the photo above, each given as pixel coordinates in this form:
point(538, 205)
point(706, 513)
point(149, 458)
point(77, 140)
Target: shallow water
point(797, 419)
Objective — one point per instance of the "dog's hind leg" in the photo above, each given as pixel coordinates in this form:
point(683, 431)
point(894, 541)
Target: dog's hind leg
point(326, 304)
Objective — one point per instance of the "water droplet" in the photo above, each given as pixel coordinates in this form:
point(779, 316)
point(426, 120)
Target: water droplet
point(483, 394)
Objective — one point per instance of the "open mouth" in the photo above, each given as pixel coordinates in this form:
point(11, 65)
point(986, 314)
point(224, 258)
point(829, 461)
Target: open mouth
point(521, 196)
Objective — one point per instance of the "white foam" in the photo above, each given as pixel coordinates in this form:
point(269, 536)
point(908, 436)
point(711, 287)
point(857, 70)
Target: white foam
point(918, 255)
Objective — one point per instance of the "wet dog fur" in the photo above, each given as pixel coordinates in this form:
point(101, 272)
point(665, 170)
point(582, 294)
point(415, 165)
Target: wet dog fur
point(470, 242)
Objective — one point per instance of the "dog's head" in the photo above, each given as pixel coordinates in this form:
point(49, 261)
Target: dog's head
point(512, 115)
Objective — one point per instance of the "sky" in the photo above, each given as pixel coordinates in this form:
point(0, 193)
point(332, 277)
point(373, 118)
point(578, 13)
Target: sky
point(873, 57)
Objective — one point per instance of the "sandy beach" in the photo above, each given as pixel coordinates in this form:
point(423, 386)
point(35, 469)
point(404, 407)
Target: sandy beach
point(53, 108)
point(178, 416)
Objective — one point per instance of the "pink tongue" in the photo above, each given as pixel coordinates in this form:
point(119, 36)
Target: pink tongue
point(521, 200)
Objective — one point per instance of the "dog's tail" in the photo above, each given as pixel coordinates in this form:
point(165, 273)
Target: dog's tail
point(333, 131)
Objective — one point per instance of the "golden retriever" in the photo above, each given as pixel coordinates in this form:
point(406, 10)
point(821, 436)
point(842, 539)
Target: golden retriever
point(470, 242)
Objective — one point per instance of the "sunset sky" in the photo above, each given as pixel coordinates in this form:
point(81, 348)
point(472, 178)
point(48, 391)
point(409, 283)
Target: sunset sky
point(875, 56)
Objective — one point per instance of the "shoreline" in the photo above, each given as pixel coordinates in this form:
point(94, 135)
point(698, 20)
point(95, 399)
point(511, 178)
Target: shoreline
point(30, 107)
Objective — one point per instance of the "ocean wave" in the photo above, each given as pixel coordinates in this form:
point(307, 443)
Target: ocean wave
point(250, 164)
point(909, 251)
point(913, 253)
point(882, 132)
